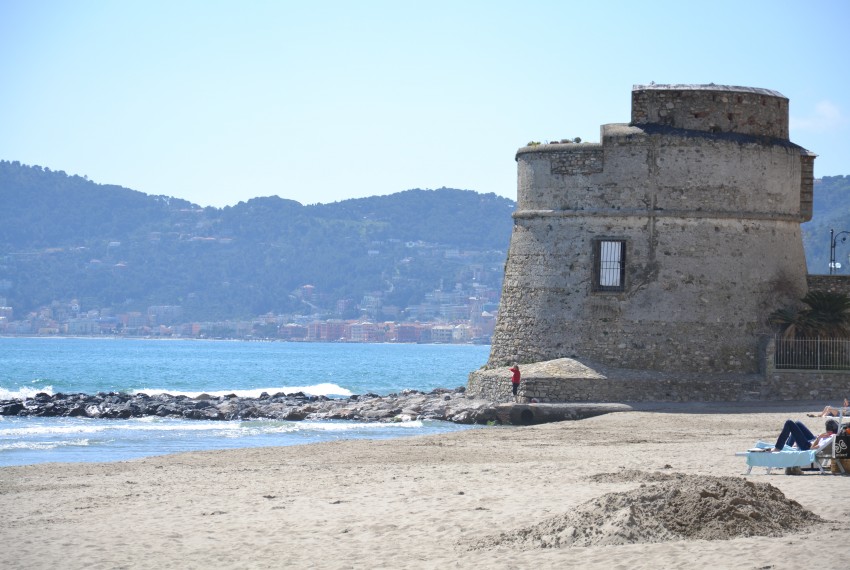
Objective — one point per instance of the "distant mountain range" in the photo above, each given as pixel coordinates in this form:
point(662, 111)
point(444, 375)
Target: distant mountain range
point(65, 237)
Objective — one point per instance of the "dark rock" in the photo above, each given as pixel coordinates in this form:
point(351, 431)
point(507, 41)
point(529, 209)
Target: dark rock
point(294, 414)
point(249, 413)
point(77, 410)
point(168, 410)
point(205, 414)
point(298, 406)
point(11, 409)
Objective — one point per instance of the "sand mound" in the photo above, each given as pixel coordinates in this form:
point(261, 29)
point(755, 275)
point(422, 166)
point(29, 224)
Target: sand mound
point(674, 507)
point(635, 475)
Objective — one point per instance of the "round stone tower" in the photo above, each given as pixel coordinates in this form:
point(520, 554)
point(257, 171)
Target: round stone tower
point(666, 245)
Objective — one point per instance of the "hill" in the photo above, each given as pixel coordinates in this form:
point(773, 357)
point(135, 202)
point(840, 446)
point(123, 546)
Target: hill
point(831, 211)
point(65, 237)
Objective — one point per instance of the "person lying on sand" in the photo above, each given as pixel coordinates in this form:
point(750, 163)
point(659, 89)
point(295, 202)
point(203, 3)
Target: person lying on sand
point(830, 411)
point(796, 434)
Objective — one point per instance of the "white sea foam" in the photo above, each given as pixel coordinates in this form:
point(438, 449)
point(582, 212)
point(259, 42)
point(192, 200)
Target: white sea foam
point(353, 426)
point(147, 424)
point(54, 430)
point(24, 392)
point(185, 425)
point(324, 389)
point(42, 445)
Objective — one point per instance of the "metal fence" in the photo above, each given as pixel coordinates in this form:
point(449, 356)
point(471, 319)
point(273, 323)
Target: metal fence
point(812, 354)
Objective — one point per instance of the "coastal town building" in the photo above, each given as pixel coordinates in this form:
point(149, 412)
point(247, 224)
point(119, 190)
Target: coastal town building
point(56, 320)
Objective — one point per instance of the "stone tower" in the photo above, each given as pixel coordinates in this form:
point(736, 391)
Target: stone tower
point(666, 245)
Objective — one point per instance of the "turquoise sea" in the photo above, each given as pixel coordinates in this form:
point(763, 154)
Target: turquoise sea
point(190, 367)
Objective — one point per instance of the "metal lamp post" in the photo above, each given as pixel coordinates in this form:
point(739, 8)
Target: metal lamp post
point(833, 239)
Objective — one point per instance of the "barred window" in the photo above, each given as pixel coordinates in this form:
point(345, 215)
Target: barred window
point(609, 265)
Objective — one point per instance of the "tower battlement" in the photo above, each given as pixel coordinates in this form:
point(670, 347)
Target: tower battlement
point(712, 108)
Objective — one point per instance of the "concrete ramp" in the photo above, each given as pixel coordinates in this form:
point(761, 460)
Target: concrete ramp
point(530, 414)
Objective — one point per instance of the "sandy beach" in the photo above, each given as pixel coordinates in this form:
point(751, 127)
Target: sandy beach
point(453, 500)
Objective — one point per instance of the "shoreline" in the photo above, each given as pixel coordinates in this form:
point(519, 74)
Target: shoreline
point(414, 502)
point(443, 404)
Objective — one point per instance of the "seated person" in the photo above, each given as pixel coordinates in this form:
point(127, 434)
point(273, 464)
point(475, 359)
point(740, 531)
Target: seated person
point(796, 434)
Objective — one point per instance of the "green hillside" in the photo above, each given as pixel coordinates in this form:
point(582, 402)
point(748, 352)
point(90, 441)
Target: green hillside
point(64, 237)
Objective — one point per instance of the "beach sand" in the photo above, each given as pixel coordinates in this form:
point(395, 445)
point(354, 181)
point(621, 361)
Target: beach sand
point(439, 501)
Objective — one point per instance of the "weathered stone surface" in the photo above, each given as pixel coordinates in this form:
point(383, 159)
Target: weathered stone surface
point(706, 193)
point(566, 380)
point(530, 414)
point(712, 108)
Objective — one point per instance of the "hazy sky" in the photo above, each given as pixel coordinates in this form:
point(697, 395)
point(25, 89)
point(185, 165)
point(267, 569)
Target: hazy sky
point(218, 102)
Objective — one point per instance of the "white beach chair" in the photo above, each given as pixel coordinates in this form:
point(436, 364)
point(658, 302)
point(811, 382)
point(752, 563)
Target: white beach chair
point(841, 448)
point(818, 457)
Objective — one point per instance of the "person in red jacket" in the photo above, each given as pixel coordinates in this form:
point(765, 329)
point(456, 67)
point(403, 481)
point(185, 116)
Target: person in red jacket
point(515, 379)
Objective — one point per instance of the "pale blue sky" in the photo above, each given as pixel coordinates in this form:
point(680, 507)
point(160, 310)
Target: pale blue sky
point(218, 102)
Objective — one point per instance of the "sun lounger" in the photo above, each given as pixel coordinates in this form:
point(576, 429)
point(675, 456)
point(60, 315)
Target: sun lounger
point(760, 456)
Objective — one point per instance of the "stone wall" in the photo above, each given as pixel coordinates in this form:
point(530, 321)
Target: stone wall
point(807, 186)
point(829, 387)
point(712, 108)
point(831, 283)
point(698, 280)
point(559, 381)
point(575, 159)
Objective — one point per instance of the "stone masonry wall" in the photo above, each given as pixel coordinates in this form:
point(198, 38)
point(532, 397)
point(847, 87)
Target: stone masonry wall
point(712, 108)
point(620, 385)
point(831, 283)
point(577, 159)
point(807, 186)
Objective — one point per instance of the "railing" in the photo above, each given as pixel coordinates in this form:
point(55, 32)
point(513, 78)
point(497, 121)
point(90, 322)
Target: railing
point(812, 354)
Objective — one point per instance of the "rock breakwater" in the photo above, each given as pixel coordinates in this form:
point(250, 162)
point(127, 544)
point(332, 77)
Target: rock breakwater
point(440, 404)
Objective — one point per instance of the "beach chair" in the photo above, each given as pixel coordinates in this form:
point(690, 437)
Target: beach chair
point(841, 445)
point(817, 457)
point(841, 451)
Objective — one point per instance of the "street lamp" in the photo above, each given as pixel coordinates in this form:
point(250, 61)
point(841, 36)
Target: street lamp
point(833, 239)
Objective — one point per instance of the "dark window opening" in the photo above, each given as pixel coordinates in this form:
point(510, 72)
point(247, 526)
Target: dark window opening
point(609, 265)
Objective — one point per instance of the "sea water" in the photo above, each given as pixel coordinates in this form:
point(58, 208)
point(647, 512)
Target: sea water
point(190, 367)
